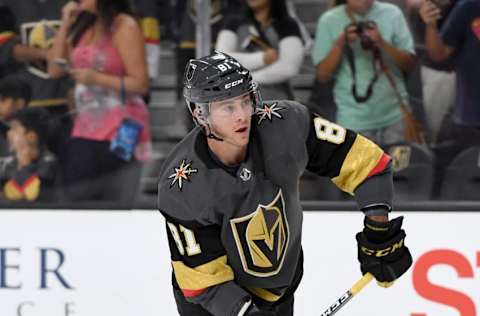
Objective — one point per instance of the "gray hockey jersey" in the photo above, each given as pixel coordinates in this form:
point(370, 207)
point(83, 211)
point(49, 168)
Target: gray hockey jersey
point(237, 233)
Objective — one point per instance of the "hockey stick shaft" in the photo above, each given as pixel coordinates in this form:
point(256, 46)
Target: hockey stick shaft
point(357, 287)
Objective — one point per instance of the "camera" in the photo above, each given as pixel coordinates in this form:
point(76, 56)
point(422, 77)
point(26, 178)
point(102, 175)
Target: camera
point(361, 28)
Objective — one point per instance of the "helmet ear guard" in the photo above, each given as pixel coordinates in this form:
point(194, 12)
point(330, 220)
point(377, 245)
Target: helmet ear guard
point(199, 112)
point(257, 100)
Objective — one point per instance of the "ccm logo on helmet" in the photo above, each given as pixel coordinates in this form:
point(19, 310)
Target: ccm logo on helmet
point(233, 84)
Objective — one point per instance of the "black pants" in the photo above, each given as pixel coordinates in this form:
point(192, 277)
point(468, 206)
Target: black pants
point(93, 172)
point(284, 307)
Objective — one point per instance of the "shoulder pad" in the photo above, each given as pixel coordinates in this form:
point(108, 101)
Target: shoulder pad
point(283, 115)
point(185, 185)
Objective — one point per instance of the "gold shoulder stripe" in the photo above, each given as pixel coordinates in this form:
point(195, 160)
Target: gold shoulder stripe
point(361, 159)
point(211, 273)
point(264, 294)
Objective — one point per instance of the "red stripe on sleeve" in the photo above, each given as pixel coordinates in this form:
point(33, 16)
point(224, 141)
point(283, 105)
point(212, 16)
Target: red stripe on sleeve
point(381, 165)
point(193, 293)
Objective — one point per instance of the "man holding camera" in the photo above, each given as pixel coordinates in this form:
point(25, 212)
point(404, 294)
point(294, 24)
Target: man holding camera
point(366, 47)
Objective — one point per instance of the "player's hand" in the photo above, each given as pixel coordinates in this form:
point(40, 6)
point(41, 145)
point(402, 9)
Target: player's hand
point(270, 56)
point(430, 13)
point(382, 250)
point(253, 310)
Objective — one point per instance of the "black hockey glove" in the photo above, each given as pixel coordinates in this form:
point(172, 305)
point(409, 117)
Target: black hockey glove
point(382, 250)
point(252, 310)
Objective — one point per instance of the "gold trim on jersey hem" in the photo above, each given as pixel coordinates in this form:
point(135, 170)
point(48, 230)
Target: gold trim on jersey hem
point(211, 273)
point(362, 157)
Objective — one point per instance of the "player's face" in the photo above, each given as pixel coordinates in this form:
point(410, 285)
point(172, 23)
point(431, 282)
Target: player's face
point(230, 119)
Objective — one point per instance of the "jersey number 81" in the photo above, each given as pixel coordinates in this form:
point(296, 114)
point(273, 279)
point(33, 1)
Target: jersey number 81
point(329, 131)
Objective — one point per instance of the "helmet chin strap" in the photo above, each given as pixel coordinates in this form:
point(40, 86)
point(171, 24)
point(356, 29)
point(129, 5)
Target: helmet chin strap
point(212, 136)
point(209, 133)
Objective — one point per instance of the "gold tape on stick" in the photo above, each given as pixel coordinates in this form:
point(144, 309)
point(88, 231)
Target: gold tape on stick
point(357, 287)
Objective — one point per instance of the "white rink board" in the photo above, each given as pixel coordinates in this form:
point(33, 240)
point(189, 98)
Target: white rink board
point(331, 266)
point(118, 264)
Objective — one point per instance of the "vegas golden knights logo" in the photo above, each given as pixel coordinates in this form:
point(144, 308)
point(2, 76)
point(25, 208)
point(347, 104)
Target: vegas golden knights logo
point(400, 157)
point(262, 238)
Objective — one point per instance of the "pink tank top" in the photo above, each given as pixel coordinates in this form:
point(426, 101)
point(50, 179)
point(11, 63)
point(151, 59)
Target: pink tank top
point(100, 110)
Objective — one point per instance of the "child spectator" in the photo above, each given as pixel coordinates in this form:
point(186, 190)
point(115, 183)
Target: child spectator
point(14, 95)
point(29, 173)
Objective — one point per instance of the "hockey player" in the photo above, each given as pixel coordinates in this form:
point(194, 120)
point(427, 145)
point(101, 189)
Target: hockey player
point(229, 193)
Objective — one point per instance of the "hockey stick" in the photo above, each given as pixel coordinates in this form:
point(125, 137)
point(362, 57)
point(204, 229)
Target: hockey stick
point(357, 287)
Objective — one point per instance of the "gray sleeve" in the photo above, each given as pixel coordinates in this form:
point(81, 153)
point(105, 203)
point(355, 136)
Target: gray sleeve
point(222, 300)
point(202, 273)
point(375, 194)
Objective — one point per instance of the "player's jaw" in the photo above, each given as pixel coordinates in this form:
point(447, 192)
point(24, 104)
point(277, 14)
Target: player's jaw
point(241, 132)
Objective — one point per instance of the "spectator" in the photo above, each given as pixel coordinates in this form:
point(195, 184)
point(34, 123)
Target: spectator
point(36, 22)
point(14, 95)
point(375, 108)
point(459, 37)
point(268, 42)
point(29, 173)
point(438, 79)
point(105, 46)
point(12, 52)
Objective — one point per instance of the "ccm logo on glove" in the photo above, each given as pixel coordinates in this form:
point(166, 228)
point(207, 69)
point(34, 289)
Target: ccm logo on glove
point(382, 252)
